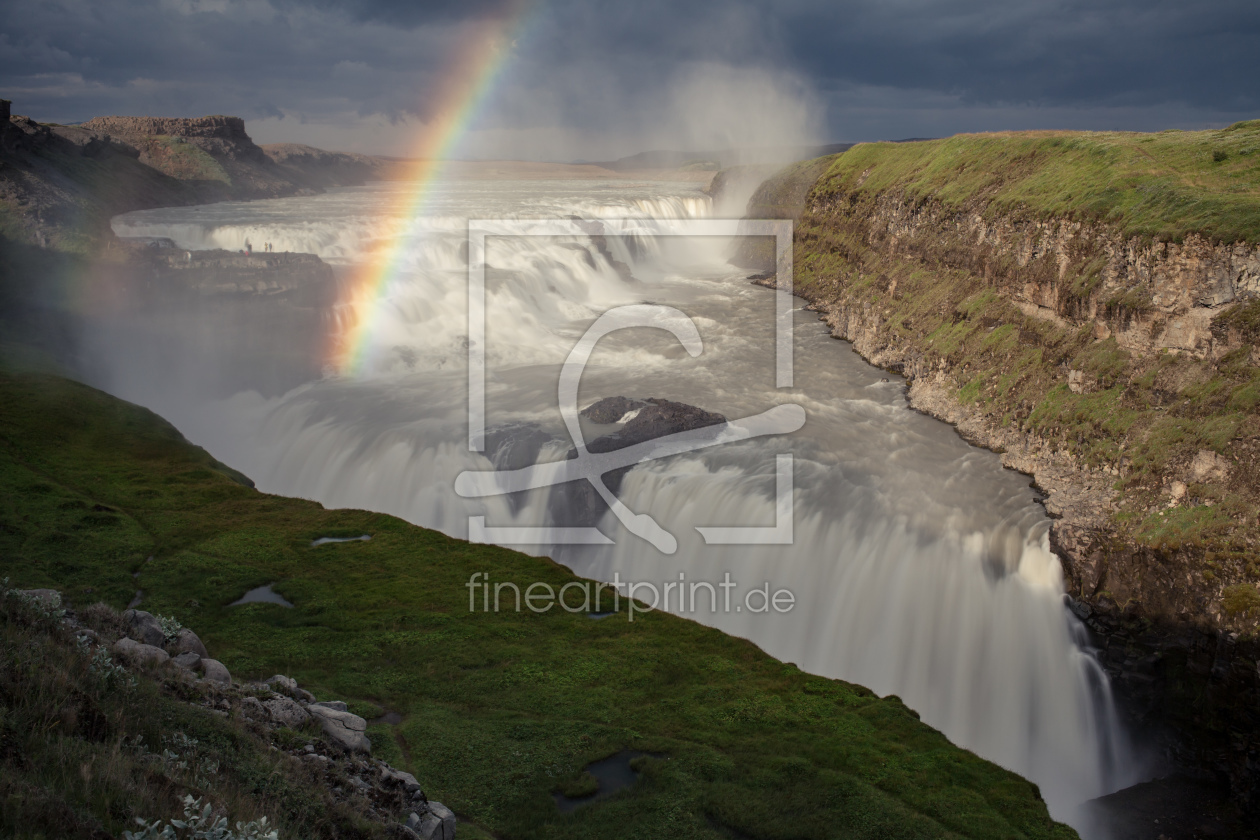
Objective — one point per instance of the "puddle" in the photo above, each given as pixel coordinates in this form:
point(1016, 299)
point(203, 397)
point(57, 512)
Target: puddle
point(326, 540)
point(612, 773)
point(391, 718)
point(261, 595)
point(598, 616)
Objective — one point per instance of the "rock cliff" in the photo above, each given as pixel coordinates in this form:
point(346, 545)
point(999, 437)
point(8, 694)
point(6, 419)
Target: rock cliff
point(213, 152)
point(60, 185)
point(1060, 299)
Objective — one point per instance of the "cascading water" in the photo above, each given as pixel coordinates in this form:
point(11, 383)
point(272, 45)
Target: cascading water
point(919, 566)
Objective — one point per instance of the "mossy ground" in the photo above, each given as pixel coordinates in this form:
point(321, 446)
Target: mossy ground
point(1163, 185)
point(499, 710)
point(176, 157)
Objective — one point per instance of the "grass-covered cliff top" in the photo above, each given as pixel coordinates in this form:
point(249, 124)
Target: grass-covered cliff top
point(1164, 185)
point(498, 710)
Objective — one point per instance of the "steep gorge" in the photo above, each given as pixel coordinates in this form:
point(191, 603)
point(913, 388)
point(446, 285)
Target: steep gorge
point(1087, 306)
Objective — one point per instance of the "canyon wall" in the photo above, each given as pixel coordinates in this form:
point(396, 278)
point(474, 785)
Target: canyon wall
point(1120, 370)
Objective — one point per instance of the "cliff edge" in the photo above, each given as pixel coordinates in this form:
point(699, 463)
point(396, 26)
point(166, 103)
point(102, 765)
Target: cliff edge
point(213, 152)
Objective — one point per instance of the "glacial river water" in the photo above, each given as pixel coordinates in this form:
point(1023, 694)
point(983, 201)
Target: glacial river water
point(918, 565)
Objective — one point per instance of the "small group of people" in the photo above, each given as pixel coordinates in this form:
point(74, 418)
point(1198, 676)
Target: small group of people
point(249, 247)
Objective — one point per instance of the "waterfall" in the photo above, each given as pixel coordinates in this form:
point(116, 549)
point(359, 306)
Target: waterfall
point(919, 566)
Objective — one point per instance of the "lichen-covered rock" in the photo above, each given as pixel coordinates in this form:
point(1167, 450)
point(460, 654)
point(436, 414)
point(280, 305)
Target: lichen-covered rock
point(253, 709)
point(436, 823)
point(347, 730)
point(144, 627)
point(286, 712)
point(187, 642)
point(392, 776)
point(188, 661)
point(215, 671)
point(282, 684)
point(336, 705)
point(140, 653)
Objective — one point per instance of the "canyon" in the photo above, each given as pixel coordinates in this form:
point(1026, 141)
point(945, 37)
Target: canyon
point(1110, 355)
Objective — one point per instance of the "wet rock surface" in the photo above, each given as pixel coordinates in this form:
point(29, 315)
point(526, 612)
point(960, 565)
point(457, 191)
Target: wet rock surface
point(577, 503)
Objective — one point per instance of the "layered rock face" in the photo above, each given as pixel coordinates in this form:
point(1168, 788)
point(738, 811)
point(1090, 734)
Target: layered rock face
point(60, 184)
point(1151, 295)
point(220, 127)
point(214, 152)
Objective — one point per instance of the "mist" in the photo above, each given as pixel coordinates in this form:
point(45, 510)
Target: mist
point(701, 106)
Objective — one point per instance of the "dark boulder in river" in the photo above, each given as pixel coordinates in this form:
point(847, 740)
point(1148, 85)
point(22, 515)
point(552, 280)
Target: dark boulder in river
point(577, 503)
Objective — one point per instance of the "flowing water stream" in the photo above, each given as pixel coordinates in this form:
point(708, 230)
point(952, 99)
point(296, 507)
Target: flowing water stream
point(919, 566)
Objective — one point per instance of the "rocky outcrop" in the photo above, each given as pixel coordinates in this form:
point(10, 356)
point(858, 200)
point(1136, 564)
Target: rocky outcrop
point(229, 129)
point(61, 184)
point(1150, 294)
point(219, 273)
point(731, 188)
point(344, 727)
point(436, 822)
point(341, 760)
point(577, 502)
point(213, 152)
point(781, 196)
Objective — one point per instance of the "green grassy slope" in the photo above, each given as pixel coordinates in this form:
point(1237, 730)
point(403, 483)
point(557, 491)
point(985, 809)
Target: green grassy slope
point(499, 709)
point(1164, 185)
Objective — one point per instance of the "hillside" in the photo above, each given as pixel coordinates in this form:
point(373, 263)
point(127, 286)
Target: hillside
point(60, 185)
point(494, 711)
point(1088, 305)
point(318, 168)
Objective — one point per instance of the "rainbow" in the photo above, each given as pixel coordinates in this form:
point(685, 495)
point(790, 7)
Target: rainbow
point(465, 87)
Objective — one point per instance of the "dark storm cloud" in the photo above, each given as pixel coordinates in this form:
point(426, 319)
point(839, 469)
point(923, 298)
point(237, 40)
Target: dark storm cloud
point(77, 58)
point(1060, 52)
point(634, 71)
point(409, 14)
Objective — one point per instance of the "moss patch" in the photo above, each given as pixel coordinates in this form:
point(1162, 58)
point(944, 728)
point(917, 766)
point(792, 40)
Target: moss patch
point(1164, 185)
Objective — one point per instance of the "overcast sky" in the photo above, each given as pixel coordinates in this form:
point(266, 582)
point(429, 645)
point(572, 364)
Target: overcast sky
point(597, 80)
